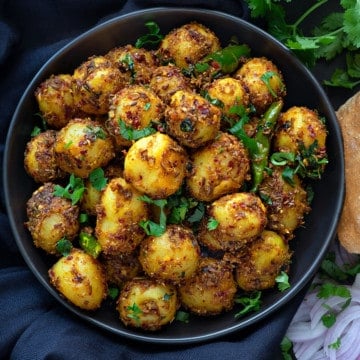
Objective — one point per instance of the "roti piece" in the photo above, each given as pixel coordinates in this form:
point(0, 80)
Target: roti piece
point(349, 225)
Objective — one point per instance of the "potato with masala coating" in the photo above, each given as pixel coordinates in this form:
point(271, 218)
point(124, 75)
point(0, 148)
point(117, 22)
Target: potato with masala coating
point(172, 256)
point(82, 146)
point(188, 44)
point(263, 81)
point(39, 158)
point(286, 203)
point(156, 165)
point(55, 99)
point(262, 261)
point(191, 119)
point(80, 278)
point(147, 304)
point(135, 64)
point(137, 107)
point(211, 290)
point(95, 80)
point(218, 169)
point(51, 218)
point(118, 216)
point(239, 219)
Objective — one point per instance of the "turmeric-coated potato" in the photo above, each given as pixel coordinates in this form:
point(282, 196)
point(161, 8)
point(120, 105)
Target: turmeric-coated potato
point(262, 262)
point(95, 81)
point(56, 101)
point(82, 146)
point(147, 304)
point(172, 256)
point(39, 158)
point(188, 44)
point(287, 203)
point(135, 64)
point(300, 127)
point(219, 168)
point(79, 278)
point(230, 92)
point(155, 165)
point(191, 119)
point(118, 216)
point(168, 79)
point(239, 218)
point(51, 218)
point(211, 290)
point(263, 81)
point(137, 107)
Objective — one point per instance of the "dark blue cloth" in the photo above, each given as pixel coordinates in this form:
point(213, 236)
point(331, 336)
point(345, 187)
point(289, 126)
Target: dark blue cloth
point(32, 324)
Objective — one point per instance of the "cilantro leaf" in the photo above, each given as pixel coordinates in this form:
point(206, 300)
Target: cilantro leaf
point(98, 179)
point(129, 133)
point(73, 190)
point(64, 246)
point(150, 227)
point(250, 303)
point(283, 281)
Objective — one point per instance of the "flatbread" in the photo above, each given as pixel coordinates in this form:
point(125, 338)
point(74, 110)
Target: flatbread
point(349, 226)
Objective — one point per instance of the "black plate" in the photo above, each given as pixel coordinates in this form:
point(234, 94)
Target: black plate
point(311, 241)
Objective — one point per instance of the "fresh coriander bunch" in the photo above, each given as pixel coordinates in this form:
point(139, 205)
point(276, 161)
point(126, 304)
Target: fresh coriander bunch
point(336, 33)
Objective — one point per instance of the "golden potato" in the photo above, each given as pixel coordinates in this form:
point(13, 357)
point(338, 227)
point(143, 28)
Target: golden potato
point(286, 205)
point(240, 218)
point(95, 81)
point(173, 256)
point(155, 165)
point(230, 92)
point(211, 290)
point(82, 146)
point(136, 64)
point(50, 218)
point(263, 81)
point(191, 119)
point(147, 304)
point(39, 158)
point(135, 105)
point(79, 278)
point(168, 79)
point(118, 216)
point(300, 127)
point(219, 168)
point(262, 262)
point(56, 101)
point(188, 44)
point(121, 267)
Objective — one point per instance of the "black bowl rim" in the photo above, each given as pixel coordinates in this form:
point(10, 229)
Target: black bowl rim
point(256, 317)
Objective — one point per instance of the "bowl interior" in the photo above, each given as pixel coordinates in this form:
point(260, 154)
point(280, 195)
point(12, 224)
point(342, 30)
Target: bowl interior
point(311, 241)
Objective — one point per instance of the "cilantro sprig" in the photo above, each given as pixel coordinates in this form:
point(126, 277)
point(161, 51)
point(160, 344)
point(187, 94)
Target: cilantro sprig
point(73, 190)
point(249, 303)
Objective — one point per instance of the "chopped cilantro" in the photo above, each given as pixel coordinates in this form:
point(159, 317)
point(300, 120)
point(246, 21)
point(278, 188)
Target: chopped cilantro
point(153, 37)
point(250, 303)
point(283, 281)
point(73, 190)
point(64, 246)
point(129, 133)
point(98, 179)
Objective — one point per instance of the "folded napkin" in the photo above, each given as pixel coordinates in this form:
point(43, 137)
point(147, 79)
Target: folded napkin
point(33, 325)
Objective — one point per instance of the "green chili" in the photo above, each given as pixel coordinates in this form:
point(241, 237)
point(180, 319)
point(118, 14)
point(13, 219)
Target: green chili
point(260, 156)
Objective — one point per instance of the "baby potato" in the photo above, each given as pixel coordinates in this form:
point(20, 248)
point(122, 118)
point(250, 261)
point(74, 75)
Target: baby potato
point(211, 290)
point(95, 81)
point(230, 92)
point(79, 278)
point(240, 218)
point(118, 216)
point(172, 256)
point(155, 165)
point(137, 106)
point(82, 146)
point(188, 44)
point(121, 267)
point(191, 119)
point(147, 304)
point(300, 127)
point(39, 158)
point(168, 79)
point(263, 81)
point(287, 204)
point(50, 218)
point(262, 262)
point(56, 100)
point(219, 168)
point(136, 64)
